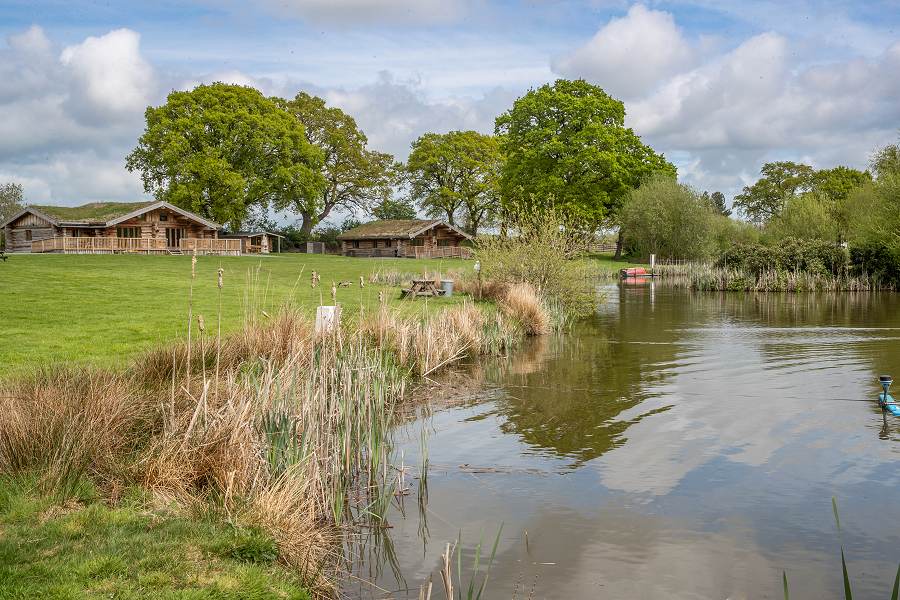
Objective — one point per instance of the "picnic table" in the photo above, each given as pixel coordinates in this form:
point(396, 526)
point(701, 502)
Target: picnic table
point(422, 287)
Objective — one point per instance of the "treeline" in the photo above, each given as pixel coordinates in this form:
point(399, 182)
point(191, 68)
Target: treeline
point(833, 221)
point(232, 154)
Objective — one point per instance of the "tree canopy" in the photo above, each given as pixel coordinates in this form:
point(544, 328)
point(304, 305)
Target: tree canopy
point(779, 182)
point(666, 218)
point(11, 200)
point(391, 208)
point(356, 178)
point(453, 173)
point(566, 144)
point(220, 150)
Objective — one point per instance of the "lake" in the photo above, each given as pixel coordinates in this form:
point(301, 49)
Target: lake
point(677, 445)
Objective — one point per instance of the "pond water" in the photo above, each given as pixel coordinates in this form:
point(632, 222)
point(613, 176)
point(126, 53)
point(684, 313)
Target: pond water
point(678, 445)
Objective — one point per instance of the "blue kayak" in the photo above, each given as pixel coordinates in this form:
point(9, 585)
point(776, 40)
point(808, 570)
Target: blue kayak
point(890, 405)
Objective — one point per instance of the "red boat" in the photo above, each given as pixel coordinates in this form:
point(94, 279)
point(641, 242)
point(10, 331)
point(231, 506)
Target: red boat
point(635, 272)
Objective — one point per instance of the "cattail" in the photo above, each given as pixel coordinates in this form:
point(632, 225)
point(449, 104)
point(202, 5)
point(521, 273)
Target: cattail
point(314, 280)
point(201, 324)
point(381, 297)
point(362, 281)
point(194, 265)
point(221, 273)
point(333, 293)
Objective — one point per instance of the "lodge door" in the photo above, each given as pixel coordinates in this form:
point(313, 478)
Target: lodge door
point(173, 236)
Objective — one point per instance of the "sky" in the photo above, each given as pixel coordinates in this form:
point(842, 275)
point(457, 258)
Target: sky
point(718, 87)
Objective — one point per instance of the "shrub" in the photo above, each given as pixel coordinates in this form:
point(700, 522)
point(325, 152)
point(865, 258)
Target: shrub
point(523, 303)
point(666, 218)
point(544, 252)
point(812, 256)
point(877, 262)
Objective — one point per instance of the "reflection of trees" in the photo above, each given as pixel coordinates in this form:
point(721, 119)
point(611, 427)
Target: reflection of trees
point(570, 405)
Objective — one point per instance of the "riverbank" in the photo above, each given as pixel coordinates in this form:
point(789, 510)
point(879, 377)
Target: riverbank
point(276, 429)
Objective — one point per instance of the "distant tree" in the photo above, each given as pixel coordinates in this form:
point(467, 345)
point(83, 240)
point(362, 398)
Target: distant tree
point(780, 182)
point(390, 208)
point(455, 172)
point(718, 202)
point(668, 219)
point(567, 144)
point(356, 178)
point(11, 202)
point(834, 185)
point(220, 150)
point(11, 199)
point(886, 161)
point(806, 217)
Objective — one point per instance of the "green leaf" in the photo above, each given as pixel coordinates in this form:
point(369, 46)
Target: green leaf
point(896, 593)
point(848, 594)
point(837, 519)
point(787, 594)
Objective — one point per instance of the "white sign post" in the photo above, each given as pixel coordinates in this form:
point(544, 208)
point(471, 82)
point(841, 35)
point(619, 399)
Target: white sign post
point(327, 319)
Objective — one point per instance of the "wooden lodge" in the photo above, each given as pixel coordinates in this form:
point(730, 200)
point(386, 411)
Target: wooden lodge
point(409, 238)
point(117, 228)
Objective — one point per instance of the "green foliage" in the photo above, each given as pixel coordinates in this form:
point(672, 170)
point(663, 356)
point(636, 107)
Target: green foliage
point(11, 202)
point(886, 161)
point(805, 217)
point(835, 185)
point(219, 150)
point(390, 208)
point(455, 172)
point(93, 550)
point(767, 197)
point(717, 201)
point(668, 219)
point(791, 254)
point(356, 178)
point(250, 545)
point(566, 145)
point(543, 251)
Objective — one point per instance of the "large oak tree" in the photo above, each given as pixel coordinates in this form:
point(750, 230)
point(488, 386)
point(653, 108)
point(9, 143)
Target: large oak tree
point(220, 150)
point(456, 173)
point(356, 178)
point(566, 145)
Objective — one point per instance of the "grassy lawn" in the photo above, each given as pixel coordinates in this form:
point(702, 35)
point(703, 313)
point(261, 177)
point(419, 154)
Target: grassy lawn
point(87, 550)
point(104, 309)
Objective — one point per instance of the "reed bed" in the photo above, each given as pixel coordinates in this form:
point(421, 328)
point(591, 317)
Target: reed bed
point(710, 278)
point(276, 427)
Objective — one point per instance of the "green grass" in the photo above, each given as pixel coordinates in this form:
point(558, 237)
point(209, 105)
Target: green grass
point(608, 266)
point(87, 550)
point(103, 310)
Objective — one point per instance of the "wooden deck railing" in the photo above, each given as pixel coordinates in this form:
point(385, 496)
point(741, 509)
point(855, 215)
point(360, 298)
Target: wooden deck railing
point(438, 252)
point(106, 245)
point(207, 245)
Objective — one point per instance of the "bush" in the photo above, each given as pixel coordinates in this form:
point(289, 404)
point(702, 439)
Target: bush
point(811, 256)
point(668, 219)
point(877, 262)
point(546, 253)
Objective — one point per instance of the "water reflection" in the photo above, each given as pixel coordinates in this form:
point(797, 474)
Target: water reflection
point(680, 445)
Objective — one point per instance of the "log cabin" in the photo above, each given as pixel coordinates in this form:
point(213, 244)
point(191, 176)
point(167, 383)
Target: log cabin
point(113, 228)
point(408, 238)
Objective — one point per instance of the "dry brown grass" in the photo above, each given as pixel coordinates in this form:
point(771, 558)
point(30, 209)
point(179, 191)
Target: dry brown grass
point(523, 303)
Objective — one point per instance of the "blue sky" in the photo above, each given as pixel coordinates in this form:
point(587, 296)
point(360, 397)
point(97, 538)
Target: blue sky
point(720, 87)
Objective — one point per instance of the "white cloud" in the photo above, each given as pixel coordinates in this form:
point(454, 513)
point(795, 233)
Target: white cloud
point(70, 116)
point(630, 55)
point(346, 12)
point(110, 78)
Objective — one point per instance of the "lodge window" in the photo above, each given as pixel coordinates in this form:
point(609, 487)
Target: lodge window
point(128, 232)
point(27, 235)
point(387, 243)
point(356, 243)
point(446, 242)
point(163, 217)
point(417, 242)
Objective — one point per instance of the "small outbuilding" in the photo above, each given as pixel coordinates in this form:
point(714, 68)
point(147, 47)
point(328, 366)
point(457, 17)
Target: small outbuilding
point(407, 238)
point(256, 242)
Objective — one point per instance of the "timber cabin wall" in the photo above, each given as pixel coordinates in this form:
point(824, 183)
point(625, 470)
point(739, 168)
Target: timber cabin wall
point(17, 232)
